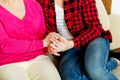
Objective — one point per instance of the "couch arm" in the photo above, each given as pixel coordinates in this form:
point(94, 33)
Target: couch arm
point(115, 30)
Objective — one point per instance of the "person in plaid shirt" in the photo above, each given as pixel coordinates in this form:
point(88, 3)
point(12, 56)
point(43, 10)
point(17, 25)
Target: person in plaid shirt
point(84, 44)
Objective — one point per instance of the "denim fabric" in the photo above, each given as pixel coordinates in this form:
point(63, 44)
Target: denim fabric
point(88, 63)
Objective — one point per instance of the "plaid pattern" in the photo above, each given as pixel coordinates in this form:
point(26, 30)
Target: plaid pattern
point(81, 17)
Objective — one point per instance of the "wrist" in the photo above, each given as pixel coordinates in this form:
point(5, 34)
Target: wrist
point(45, 43)
point(71, 44)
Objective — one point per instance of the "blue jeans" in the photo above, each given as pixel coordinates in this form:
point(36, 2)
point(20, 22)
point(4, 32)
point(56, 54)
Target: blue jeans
point(88, 63)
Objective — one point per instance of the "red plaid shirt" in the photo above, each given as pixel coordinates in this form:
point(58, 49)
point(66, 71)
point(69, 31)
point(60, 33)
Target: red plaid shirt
point(81, 17)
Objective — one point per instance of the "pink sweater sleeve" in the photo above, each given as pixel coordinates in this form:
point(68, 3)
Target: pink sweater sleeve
point(14, 45)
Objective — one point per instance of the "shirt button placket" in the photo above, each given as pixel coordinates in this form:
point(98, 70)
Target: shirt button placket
point(22, 28)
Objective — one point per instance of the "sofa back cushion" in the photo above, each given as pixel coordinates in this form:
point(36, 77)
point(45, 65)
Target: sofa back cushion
point(103, 16)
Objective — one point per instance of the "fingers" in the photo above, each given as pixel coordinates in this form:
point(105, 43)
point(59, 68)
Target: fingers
point(52, 51)
point(56, 47)
point(56, 54)
point(62, 39)
point(59, 44)
point(54, 35)
point(56, 42)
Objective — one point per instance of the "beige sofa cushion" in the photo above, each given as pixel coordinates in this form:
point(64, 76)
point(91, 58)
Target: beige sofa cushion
point(104, 19)
point(117, 72)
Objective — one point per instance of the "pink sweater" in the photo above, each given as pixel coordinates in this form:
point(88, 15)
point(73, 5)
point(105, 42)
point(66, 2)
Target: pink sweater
point(21, 39)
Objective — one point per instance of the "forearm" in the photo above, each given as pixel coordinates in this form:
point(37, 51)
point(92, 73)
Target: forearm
point(11, 45)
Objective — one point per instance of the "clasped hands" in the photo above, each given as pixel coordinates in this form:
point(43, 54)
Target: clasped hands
point(57, 43)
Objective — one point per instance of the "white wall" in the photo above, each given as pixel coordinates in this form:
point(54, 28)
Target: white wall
point(116, 6)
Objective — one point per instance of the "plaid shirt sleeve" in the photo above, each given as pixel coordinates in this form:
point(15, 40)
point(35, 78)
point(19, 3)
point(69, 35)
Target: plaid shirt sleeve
point(93, 26)
point(42, 3)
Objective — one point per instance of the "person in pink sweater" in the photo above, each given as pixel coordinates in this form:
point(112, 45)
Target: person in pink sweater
point(22, 42)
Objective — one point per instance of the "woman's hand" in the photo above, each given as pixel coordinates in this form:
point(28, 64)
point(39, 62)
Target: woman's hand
point(52, 51)
point(61, 44)
point(46, 41)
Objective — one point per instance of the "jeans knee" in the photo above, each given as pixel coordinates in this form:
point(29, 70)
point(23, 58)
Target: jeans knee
point(101, 74)
point(100, 42)
point(95, 74)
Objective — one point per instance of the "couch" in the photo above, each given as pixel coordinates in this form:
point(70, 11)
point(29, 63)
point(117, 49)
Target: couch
point(111, 22)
